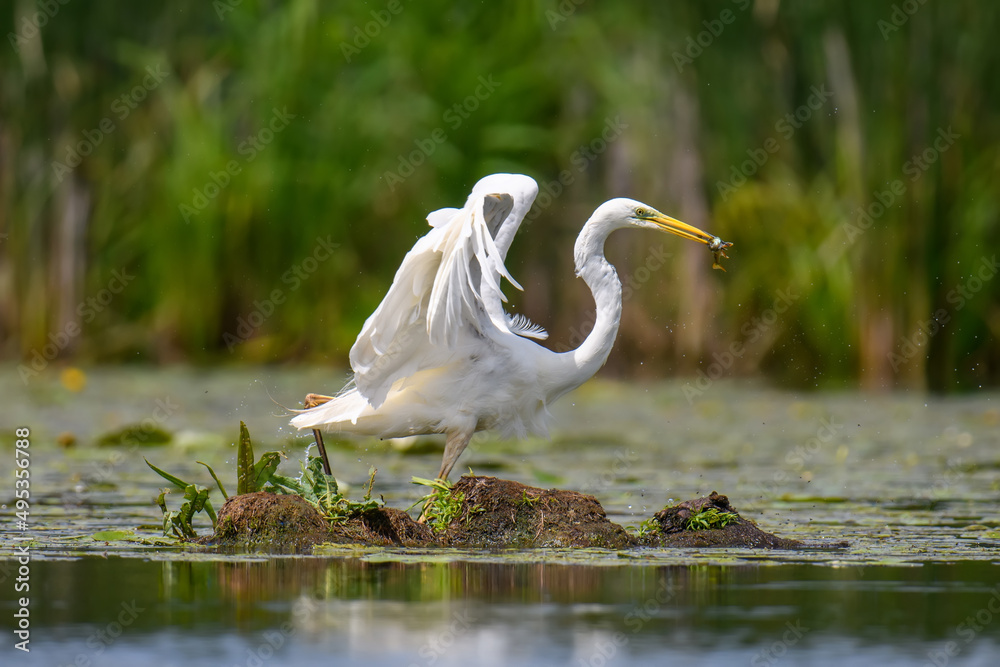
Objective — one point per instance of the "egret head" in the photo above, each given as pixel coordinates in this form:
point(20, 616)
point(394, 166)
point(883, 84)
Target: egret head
point(623, 212)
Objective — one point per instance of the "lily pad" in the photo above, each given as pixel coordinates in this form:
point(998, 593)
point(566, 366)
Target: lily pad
point(139, 435)
point(114, 536)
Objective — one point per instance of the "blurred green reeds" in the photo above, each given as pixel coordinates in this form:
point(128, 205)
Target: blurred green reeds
point(255, 171)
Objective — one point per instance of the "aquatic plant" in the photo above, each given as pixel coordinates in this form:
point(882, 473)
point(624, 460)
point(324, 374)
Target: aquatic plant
point(647, 527)
point(313, 485)
point(708, 519)
point(442, 505)
point(321, 490)
point(528, 501)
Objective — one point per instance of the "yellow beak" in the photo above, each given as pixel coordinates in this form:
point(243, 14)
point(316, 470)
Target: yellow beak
point(684, 230)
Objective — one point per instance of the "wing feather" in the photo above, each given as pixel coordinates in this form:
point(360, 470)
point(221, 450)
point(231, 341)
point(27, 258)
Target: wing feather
point(522, 326)
point(448, 286)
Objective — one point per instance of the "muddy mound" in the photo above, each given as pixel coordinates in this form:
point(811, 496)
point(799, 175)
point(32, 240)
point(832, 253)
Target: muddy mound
point(502, 513)
point(288, 523)
point(384, 526)
point(491, 513)
point(710, 522)
point(269, 522)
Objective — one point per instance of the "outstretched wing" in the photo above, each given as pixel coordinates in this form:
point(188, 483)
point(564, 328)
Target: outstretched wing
point(449, 281)
point(522, 191)
point(470, 269)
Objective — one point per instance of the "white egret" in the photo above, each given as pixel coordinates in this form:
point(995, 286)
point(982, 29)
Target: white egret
point(440, 354)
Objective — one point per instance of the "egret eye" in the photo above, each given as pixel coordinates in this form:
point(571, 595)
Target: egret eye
point(641, 213)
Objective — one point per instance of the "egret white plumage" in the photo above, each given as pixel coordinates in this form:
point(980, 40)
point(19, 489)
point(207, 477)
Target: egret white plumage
point(441, 355)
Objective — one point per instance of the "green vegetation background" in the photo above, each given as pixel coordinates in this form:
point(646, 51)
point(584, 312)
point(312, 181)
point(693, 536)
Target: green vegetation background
point(122, 236)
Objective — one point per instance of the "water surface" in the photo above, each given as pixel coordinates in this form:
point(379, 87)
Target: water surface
point(911, 482)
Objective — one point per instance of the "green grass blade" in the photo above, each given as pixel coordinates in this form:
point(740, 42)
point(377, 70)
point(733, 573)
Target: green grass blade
point(180, 484)
point(439, 484)
point(244, 463)
point(216, 478)
point(210, 511)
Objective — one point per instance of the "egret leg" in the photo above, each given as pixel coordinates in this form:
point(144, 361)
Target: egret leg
point(311, 401)
point(454, 446)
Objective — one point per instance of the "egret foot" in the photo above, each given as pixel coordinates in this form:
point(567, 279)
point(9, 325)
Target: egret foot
point(423, 513)
point(430, 500)
point(311, 401)
point(454, 446)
